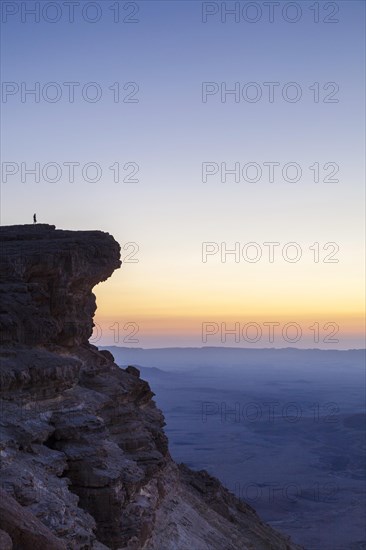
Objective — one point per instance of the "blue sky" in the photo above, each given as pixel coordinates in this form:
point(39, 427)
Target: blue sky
point(169, 133)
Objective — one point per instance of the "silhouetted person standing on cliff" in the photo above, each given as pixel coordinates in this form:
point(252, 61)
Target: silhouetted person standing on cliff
point(34, 218)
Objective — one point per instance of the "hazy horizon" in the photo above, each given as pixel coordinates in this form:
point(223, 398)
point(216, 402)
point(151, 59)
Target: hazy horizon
point(101, 345)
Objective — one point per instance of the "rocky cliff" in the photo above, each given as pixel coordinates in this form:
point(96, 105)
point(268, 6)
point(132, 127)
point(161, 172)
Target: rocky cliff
point(84, 459)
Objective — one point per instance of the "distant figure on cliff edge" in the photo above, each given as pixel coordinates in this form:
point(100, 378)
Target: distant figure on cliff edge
point(34, 218)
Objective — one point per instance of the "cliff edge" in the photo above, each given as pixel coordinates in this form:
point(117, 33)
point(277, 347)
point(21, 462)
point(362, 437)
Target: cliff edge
point(84, 458)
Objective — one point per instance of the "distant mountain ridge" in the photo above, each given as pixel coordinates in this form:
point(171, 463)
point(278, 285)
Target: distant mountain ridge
point(187, 358)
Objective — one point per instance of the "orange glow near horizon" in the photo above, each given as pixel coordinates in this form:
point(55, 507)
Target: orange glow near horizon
point(169, 299)
point(148, 324)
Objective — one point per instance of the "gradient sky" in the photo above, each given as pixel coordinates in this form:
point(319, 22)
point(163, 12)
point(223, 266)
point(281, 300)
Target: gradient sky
point(169, 133)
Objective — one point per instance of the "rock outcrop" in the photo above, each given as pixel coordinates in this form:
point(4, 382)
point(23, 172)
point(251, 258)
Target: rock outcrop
point(84, 458)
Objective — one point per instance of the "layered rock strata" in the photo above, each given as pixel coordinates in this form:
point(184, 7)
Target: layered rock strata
point(84, 458)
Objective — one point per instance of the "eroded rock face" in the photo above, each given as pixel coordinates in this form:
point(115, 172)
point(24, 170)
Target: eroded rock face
point(84, 458)
point(47, 278)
